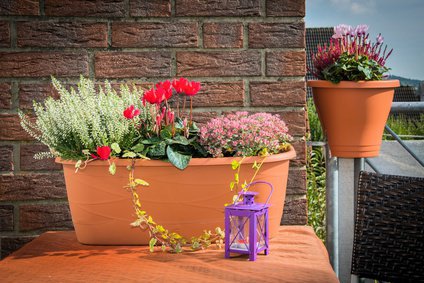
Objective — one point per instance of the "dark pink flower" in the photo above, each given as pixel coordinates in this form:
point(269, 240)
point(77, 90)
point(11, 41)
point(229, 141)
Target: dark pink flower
point(131, 112)
point(103, 152)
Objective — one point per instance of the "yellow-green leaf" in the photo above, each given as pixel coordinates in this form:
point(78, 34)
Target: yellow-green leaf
point(236, 177)
point(141, 182)
point(235, 164)
point(152, 244)
point(112, 168)
point(232, 184)
point(115, 147)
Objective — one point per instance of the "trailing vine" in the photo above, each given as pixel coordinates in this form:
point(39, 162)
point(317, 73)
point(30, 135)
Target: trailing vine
point(174, 242)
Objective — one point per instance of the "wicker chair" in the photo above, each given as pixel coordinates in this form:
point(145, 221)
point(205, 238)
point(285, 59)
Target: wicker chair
point(389, 228)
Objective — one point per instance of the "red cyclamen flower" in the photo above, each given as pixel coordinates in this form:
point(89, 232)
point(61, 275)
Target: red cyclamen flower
point(103, 152)
point(192, 88)
point(154, 96)
point(167, 87)
point(180, 85)
point(131, 112)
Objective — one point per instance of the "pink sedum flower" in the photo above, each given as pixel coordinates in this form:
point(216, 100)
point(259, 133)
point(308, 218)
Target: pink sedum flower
point(241, 134)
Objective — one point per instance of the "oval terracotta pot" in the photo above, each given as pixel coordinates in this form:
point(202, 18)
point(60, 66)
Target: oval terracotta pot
point(184, 201)
point(353, 114)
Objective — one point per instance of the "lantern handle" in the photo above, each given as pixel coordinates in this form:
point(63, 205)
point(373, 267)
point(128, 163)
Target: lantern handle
point(266, 183)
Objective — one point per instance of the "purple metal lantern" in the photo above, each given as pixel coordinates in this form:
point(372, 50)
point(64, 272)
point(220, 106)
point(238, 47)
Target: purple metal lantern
point(246, 225)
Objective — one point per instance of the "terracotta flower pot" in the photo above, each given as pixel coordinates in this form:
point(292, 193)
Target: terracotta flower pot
point(186, 202)
point(353, 114)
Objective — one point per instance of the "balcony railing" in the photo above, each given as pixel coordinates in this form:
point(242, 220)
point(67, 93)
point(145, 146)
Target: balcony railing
point(341, 185)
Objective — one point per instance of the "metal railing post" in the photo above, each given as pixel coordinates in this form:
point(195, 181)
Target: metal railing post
point(331, 194)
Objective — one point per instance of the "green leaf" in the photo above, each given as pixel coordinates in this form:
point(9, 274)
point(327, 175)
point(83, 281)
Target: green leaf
point(177, 159)
point(178, 249)
point(178, 123)
point(78, 164)
point(141, 182)
point(85, 152)
point(158, 150)
point(166, 133)
point(138, 147)
point(152, 140)
point(178, 140)
point(152, 244)
point(112, 168)
point(163, 247)
point(129, 154)
point(142, 156)
point(115, 147)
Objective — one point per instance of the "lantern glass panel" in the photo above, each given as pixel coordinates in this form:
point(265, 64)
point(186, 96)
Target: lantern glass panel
point(260, 230)
point(239, 237)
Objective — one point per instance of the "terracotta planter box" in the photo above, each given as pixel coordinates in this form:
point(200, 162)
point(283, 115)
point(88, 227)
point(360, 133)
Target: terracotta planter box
point(184, 201)
point(353, 114)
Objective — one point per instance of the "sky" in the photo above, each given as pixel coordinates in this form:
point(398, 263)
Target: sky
point(401, 23)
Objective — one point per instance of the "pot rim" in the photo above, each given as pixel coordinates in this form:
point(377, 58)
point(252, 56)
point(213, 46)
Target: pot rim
point(291, 154)
point(351, 84)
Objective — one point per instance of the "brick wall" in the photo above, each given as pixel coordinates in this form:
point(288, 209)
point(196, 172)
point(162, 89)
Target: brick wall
point(247, 53)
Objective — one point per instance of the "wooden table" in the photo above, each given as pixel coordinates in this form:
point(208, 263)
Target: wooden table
point(296, 255)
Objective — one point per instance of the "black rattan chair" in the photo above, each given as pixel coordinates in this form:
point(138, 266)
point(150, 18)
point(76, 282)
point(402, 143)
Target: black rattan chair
point(389, 228)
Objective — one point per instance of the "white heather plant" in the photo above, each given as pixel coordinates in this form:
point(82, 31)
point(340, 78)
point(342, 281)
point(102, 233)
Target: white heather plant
point(83, 118)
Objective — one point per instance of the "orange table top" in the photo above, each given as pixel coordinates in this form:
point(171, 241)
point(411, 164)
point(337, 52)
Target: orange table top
point(296, 255)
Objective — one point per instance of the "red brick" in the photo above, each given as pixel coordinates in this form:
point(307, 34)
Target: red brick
point(6, 158)
point(43, 64)
point(61, 34)
point(32, 186)
point(215, 94)
point(223, 35)
point(151, 8)
point(295, 212)
point(286, 63)
point(29, 163)
point(283, 93)
point(19, 8)
point(154, 34)
point(132, 64)
point(84, 8)
point(12, 243)
point(4, 34)
point(296, 184)
point(5, 96)
point(218, 64)
point(44, 217)
point(296, 121)
point(11, 128)
point(29, 92)
point(217, 8)
point(6, 218)
point(203, 117)
point(285, 8)
point(300, 147)
point(276, 35)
